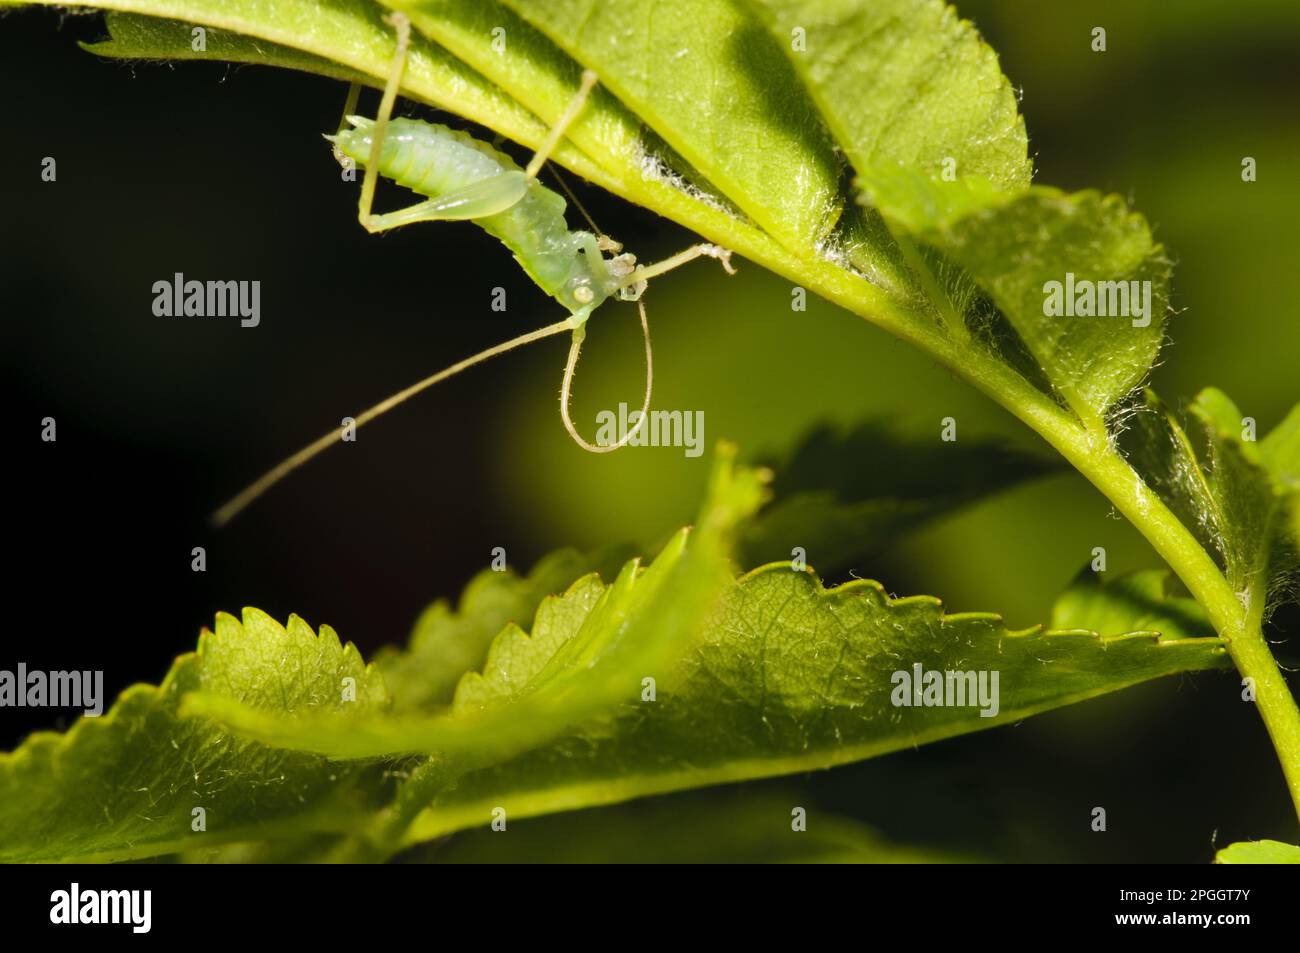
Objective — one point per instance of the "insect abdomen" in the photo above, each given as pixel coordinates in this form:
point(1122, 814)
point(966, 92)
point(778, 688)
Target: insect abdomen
point(433, 160)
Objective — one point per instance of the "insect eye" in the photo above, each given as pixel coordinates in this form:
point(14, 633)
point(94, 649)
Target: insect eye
point(583, 294)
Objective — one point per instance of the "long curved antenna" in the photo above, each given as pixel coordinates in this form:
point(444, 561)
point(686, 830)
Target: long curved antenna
point(232, 509)
point(574, 349)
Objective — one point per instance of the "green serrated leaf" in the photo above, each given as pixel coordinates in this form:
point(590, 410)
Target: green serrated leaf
point(1139, 602)
point(446, 643)
point(340, 39)
point(1279, 451)
point(843, 495)
point(1247, 499)
point(789, 677)
point(1239, 486)
point(1077, 276)
point(905, 83)
point(1259, 852)
point(127, 784)
point(1236, 501)
point(939, 149)
point(536, 687)
point(1158, 448)
point(1280, 454)
point(517, 658)
point(135, 37)
point(718, 89)
point(499, 45)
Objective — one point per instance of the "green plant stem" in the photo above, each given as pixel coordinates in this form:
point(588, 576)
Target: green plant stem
point(1089, 449)
point(1233, 618)
point(1085, 444)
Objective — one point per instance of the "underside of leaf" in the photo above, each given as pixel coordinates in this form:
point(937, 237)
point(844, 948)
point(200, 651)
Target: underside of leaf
point(128, 783)
point(788, 676)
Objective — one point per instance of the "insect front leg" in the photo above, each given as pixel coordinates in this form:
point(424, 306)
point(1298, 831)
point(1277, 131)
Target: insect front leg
point(631, 286)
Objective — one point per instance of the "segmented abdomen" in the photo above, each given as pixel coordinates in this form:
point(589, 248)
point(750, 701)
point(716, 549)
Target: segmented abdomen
point(433, 160)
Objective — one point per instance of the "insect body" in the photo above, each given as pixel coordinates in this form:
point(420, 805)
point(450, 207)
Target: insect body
point(465, 179)
point(468, 179)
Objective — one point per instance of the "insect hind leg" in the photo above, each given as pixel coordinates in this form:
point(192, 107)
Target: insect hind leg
point(476, 200)
point(402, 27)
